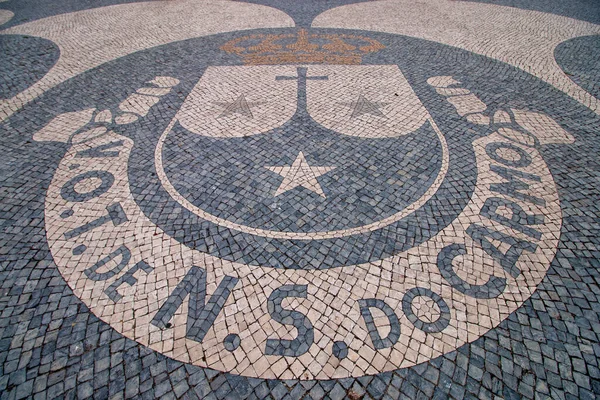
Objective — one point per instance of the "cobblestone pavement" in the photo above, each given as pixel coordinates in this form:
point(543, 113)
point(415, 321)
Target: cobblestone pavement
point(268, 199)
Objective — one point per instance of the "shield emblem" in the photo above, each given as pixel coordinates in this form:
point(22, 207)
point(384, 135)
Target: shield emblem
point(301, 151)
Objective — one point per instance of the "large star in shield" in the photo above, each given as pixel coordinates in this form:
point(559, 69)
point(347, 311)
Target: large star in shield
point(300, 173)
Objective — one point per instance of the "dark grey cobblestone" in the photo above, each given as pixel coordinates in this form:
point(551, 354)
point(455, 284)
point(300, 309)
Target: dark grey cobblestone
point(52, 346)
point(585, 71)
point(24, 61)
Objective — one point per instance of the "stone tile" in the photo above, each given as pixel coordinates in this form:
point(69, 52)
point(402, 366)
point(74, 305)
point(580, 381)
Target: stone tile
point(202, 200)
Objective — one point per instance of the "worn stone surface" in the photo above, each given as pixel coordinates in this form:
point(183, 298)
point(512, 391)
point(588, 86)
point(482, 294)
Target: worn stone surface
point(299, 201)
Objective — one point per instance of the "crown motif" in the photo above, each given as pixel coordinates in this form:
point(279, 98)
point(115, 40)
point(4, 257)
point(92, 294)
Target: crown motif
point(302, 47)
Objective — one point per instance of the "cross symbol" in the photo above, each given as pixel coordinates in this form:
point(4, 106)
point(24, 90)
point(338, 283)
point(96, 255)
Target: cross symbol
point(302, 78)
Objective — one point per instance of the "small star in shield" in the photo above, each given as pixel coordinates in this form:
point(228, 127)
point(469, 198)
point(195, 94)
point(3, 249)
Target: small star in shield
point(364, 106)
point(300, 173)
point(238, 106)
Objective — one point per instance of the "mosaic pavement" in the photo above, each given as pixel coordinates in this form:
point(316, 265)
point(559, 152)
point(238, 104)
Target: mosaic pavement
point(268, 199)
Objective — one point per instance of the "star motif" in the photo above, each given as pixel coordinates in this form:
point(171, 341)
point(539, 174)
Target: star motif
point(300, 174)
point(238, 106)
point(364, 106)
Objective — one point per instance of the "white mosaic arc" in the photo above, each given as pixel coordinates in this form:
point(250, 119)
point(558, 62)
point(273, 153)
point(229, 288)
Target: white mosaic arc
point(397, 123)
point(332, 297)
point(522, 38)
point(89, 38)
